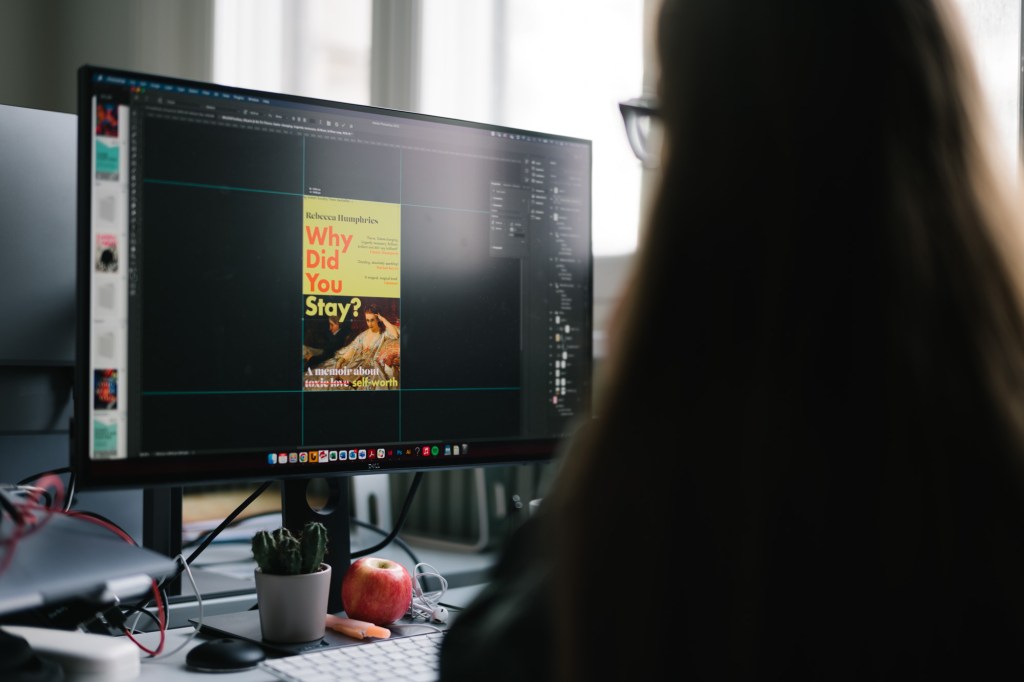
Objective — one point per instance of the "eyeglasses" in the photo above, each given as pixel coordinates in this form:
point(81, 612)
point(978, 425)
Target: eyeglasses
point(643, 128)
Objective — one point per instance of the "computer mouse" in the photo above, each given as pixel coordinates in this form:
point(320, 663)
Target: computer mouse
point(226, 653)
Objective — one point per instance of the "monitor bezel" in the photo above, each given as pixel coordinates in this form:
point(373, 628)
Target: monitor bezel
point(164, 471)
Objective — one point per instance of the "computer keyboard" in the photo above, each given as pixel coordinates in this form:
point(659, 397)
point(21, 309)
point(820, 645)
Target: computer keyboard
point(411, 659)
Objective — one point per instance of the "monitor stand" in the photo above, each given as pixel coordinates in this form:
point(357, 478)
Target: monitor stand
point(161, 525)
point(296, 510)
point(162, 533)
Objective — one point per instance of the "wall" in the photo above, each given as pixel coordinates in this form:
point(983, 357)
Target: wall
point(43, 42)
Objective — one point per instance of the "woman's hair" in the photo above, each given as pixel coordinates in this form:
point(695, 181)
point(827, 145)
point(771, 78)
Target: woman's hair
point(810, 462)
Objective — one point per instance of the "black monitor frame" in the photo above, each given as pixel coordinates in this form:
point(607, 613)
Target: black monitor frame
point(526, 216)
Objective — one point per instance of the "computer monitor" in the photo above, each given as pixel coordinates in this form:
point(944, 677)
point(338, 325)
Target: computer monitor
point(37, 302)
point(279, 287)
point(37, 216)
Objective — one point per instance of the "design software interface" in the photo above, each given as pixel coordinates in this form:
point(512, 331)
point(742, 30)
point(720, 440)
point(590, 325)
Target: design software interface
point(296, 282)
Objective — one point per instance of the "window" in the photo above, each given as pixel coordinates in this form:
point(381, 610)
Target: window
point(313, 48)
point(993, 31)
point(558, 67)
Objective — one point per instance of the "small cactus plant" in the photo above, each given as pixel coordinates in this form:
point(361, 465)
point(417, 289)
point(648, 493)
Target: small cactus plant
point(281, 552)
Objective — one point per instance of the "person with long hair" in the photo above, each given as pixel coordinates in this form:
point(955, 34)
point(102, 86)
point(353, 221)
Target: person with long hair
point(827, 483)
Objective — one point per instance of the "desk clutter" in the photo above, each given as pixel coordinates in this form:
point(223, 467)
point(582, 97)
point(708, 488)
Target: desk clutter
point(68, 654)
point(409, 651)
point(39, 540)
point(246, 625)
point(43, 604)
point(415, 659)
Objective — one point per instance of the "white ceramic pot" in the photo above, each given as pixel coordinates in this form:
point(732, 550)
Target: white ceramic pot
point(293, 608)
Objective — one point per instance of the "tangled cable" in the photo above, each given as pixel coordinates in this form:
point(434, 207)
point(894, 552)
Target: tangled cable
point(428, 604)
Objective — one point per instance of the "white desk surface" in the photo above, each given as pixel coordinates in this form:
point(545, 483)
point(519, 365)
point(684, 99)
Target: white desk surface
point(234, 561)
point(170, 667)
point(232, 564)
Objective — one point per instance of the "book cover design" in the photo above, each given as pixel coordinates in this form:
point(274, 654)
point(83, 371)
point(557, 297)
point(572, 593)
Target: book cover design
point(107, 147)
point(105, 389)
point(351, 290)
point(106, 253)
point(106, 119)
point(104, 439)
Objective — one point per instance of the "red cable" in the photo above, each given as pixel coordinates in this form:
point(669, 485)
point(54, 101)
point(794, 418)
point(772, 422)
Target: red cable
point(160, 611)
point(24, 529)
point(26, 526)
point(163, 625)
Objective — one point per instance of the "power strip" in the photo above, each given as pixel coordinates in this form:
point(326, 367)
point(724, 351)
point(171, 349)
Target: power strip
point(84, 656)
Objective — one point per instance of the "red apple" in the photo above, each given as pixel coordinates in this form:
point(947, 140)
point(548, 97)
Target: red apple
point(376, 590)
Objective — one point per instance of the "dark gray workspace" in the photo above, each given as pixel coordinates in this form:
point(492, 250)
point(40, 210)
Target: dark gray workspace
point(306, 304)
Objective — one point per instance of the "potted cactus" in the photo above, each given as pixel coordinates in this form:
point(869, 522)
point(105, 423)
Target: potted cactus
point(281, 552)
point(292, 583)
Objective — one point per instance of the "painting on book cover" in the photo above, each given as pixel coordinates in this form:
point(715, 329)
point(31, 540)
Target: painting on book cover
point(352, 343)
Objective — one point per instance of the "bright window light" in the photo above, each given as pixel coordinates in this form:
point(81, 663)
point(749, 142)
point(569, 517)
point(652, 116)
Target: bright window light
point(559, 67)
point(313, 48)
point(556, 67)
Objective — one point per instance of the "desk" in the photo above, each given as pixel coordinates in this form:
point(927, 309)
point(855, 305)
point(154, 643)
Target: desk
point(231, 563)
point(171, 668)
point(221, 565)
point(226, 570)
point(168, 668)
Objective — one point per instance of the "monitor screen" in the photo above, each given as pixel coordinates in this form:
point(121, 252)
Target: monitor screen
point(273, 286)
